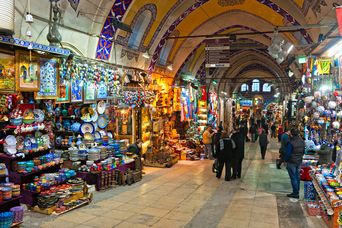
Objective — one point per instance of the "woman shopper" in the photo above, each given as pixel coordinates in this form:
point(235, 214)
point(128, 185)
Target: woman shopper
point(263, 142)
point(225, 156)
point(239, 153)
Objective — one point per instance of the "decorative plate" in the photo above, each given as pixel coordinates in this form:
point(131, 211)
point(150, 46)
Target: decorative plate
point(11, 140)
point(86, 118)
point(110, 135)
point(101, 107)
point(103, 133)
point(102, 121)
point(77, 112)
point(95, 116)
point(88, 136)
point(97, 135)
point(87, 128)
point(82, 146)
point(38, 115)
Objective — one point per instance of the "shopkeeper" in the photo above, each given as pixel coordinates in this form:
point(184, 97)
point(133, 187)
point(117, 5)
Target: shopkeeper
point(207, 141)
point(135, 148)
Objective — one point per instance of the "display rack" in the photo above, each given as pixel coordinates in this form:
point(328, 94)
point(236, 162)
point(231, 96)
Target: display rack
point(333, 208)
point(202, 115)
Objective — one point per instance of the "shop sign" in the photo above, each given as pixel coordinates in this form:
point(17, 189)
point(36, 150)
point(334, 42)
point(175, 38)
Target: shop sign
point(217, 53)
point(247, 103)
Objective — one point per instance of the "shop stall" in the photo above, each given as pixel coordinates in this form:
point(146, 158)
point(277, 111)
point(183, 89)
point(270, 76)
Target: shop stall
point(67, 123)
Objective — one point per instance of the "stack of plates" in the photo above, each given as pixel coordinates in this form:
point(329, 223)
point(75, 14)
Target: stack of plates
point(94, 154)
point(103, 153)
point(73, 155)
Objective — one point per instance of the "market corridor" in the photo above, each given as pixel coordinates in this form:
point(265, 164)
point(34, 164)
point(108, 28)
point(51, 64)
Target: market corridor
point(189, 195)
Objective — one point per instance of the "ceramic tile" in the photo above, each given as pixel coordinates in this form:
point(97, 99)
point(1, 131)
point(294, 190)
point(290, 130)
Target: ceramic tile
point(157, 212)
point(76, 217)
point(143, 219)
point(167, 223)
point(117, 214)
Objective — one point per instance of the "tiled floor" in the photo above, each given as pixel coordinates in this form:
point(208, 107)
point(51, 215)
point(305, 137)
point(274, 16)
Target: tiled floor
point(189, 195)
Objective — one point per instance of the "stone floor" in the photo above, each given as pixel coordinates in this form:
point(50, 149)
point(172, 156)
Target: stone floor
point(189, 195)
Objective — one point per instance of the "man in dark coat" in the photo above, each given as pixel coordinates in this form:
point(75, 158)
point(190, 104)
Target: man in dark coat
point(239, 153)
point(293, 158)
point(225, 156)
point(263, 142)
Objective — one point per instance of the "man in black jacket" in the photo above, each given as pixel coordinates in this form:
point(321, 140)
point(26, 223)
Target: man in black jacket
point(239, 153)
point(225, 156)
point(293, 158)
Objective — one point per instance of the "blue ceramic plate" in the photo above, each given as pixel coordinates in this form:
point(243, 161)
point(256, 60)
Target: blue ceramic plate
point(102, 121)
point(87, 128)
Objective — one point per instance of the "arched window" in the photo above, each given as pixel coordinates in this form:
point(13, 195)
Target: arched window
point(266, 87)
point(139, 29)
point(255, 85)
point(244, 88)
point(165, 52)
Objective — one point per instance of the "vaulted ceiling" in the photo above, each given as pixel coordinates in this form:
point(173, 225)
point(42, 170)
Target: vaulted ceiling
point(92, 24)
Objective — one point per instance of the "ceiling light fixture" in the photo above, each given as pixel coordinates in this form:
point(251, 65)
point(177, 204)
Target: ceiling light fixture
point(170, 67)
point(146, 55)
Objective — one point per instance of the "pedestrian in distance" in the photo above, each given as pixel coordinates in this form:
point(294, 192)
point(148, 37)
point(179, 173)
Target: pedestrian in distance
point(263, 142)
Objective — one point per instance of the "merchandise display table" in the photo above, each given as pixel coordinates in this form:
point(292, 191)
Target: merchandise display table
point(95, 178)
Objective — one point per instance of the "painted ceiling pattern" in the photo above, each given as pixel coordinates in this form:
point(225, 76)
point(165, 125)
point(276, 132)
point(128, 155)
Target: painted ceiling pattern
point(121, 7)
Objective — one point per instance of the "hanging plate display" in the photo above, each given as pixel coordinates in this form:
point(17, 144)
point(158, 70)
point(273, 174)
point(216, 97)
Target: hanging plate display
point(38, 115)
point(97, 135)
point(88, 136)
point(95, 116)
point(102, 121)
point(101, 107)
point(87, 128)
point(103, 133)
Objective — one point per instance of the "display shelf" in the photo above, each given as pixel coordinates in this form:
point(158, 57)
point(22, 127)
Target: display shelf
point(75, 207)
point(18, 178)
point(8, 204)
point(27, 157)
point(322, 196)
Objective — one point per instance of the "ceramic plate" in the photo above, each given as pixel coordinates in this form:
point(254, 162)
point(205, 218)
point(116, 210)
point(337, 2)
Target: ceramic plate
point(110, 135)
point(103, 133)
point(95, 116)
point(87, 128)
point(101, 107)
point(86, 118)
point(97, 135)
point(88, 136)
point(11, 140)
point(38, 115)
point(102, 121)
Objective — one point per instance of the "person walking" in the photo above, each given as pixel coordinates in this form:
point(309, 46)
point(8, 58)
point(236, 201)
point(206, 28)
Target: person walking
point(285, 139)
point(273, 130)
point(239, 153)
point(207, 141)
point(253, 131)
point(225, 156)
point(263, 142)
point(293, 158)
point(217, 137)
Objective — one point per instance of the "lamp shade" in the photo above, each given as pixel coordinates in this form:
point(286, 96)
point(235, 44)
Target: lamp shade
point(7, 17)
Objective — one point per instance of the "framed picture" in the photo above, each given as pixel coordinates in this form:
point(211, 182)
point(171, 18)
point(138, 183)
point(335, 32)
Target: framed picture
point(102, 91)
point(64, 93)
point(7, 73)
point(89, 92)
point(27, 72)
point(49, 79)
point(76, 91)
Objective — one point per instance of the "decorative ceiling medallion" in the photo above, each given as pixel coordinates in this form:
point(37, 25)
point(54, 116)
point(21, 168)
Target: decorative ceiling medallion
point(230, 2)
